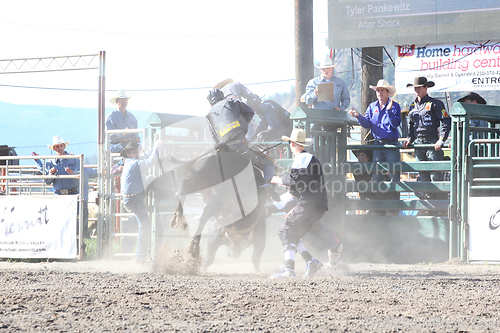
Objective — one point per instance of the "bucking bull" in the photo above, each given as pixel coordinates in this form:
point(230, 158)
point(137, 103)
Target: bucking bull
point(233, 193)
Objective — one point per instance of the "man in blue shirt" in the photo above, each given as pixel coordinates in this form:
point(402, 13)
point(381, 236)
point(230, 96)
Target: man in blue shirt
point(383, 118)
point(341, 97)
point(60, 167)
point(121, 119)
point(430, 123)
point(133, 190)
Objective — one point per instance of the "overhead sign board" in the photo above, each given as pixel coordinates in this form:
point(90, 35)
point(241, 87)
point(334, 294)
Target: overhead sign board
point(364, 23)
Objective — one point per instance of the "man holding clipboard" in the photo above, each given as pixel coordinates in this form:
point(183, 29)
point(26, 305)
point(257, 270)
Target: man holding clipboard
point(327, 91)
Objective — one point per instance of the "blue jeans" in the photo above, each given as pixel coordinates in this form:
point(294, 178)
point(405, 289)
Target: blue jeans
point(387, 155)
point(429, 154)
point(136, 205)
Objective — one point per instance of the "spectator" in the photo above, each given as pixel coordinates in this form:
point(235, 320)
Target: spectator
point(383, 118)
point(429, 124)
point(475, 98)
point(60, 167)
point(121, 119)
point(341, 97)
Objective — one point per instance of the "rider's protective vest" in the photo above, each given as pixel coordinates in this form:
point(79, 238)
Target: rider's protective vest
point(227, 122)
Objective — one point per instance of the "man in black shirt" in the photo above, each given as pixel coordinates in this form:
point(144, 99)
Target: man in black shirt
point(307, 185)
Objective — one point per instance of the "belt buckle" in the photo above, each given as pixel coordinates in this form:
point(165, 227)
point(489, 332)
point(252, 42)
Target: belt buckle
point(64, 192)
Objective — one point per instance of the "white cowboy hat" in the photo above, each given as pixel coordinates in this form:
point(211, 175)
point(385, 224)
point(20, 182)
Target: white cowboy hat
point(384, 84)
point(120, 94)
point(57, 140)
point(223, 83)
point(298, 136)
point(326, 63)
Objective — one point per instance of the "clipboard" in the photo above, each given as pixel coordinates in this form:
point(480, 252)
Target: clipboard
point(326, 93)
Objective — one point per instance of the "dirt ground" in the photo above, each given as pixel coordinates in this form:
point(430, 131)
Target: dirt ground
point(103, 296)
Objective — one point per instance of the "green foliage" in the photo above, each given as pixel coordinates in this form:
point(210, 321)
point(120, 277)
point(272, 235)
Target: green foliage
point(90, 248)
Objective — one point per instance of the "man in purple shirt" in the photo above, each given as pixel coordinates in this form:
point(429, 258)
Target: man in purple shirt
point(383, 118)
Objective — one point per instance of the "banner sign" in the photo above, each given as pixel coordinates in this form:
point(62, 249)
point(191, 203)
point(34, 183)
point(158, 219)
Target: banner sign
point(38, 226)
point(364, 23)
point(484, 231)
point(454, 67)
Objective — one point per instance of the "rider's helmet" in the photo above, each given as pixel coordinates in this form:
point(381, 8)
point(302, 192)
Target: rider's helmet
point(215, 96)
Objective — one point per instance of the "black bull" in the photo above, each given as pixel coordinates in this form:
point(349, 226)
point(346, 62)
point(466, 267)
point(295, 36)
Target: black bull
point(231, 189)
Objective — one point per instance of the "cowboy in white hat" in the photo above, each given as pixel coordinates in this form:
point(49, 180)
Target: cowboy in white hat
point(59, 166)
point(298, 136)
point(56, 142)
point(306, 183)
point(383, 118)
point(121, 119)
point(314, 96)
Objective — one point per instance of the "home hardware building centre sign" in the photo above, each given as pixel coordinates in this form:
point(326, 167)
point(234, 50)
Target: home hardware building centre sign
point(355, 23)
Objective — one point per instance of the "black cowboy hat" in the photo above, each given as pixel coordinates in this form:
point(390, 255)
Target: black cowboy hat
point(132, 145)
point(368, 153)
point(420, 81)
point(473, 97)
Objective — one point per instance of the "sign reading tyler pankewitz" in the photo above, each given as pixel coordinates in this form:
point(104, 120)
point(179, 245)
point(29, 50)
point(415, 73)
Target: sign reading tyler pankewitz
point(364, 23)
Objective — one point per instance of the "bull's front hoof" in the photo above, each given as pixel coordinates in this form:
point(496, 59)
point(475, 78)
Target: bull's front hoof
point(194, 248)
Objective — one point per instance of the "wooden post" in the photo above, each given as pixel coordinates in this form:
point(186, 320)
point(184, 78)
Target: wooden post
point(371, 71)
point(304, 57)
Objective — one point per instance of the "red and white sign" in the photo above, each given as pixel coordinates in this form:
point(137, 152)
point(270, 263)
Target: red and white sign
point(453, 67)
point(38, 226)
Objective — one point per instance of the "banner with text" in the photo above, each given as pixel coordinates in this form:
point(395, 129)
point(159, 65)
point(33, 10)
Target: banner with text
point(455, 67)
point(484, 231)
point(38, 227)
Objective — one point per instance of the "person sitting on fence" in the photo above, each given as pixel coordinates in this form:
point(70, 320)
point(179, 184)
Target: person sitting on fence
point(121, 119)
point(61, 167)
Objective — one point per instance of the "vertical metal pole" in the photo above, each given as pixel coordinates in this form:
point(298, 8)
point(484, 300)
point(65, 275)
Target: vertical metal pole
point(100, 154)
point(370, 74)
point(80, 207)
point(455, 167)
point(465, 193)
point(304, 57)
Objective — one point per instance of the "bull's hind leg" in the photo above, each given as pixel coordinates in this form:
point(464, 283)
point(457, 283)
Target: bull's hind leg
point(259, 243)
point(208, 212)
point(215, 241)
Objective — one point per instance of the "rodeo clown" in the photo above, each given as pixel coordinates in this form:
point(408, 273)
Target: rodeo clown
point(306, 183)
point(228, 120)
